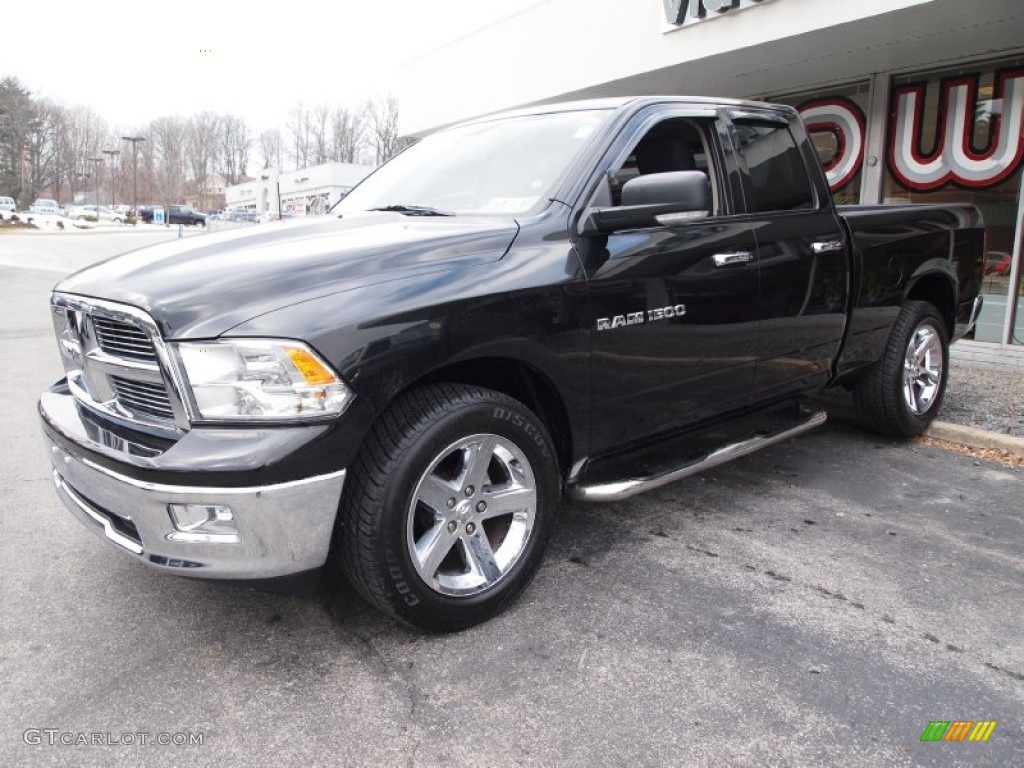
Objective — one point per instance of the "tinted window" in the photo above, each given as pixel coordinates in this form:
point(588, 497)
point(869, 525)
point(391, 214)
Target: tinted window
point(778, 178)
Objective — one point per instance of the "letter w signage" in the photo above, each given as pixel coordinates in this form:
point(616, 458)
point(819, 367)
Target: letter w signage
point(951, 156)
point(682, 12)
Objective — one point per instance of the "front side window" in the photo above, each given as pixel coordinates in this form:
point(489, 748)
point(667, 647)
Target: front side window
point(674, 144)
point(778, 179)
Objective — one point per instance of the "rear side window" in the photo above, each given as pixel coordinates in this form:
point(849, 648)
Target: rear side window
point(778, 178)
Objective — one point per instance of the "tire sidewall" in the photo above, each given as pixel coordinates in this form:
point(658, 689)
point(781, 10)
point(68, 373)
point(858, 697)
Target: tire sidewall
point(408, 594)
point(915, 424)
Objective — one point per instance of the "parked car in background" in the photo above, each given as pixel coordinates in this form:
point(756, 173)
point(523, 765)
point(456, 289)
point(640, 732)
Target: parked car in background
point(245, 215)
point(176, 214)
point(7, 207)
point(997, 263)
point(100, 212)
point(44, 205)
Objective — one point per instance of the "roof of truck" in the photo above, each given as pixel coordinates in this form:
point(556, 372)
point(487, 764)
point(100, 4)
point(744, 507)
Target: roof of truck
point(623, 101)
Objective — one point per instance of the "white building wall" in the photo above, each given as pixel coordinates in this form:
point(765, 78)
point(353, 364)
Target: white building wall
point(329, 181)
point(627, 47)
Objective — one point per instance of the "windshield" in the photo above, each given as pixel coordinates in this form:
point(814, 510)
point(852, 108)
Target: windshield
point(506, 166)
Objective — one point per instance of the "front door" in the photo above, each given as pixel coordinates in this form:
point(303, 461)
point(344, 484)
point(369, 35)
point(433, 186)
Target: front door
point(674, 307)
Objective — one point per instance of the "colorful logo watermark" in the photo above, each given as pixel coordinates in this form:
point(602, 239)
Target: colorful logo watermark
point(958, 730)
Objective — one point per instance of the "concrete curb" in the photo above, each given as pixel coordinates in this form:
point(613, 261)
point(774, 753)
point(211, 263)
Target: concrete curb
point(975, 438)
point(972, 437)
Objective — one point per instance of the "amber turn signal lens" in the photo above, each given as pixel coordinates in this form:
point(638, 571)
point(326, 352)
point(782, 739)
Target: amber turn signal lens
point(311, 369)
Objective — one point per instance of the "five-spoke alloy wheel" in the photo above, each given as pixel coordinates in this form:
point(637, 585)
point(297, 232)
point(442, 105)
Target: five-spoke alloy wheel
point(446, 513)
point(901, 394)
point(472, 514)
point(923, 368)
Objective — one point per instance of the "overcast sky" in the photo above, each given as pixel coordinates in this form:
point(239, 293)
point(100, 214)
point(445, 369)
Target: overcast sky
point(134, 61)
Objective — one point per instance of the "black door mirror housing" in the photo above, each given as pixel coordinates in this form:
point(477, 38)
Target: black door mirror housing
point(646, 199)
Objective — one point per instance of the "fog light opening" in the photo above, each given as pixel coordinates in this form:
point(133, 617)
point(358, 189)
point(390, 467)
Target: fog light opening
point(203, 523)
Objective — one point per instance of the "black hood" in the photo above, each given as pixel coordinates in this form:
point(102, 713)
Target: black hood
point(201, 287)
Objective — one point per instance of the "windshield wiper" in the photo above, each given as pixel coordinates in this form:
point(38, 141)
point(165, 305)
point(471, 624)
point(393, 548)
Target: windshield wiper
point(414, 210)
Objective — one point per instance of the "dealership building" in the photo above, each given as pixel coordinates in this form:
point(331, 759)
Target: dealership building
point(906, 100)
point(302, 192)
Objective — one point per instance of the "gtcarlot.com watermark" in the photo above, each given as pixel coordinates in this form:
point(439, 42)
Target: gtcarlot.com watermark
point(55, 737)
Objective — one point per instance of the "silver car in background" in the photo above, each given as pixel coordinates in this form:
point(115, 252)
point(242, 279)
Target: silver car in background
point(101, 213)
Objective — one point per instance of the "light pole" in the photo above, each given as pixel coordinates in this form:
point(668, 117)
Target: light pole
point(111, 153)
point(99, 164)
point(135, 170)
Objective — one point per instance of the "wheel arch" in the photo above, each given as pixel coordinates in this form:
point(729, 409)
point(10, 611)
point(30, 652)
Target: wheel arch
point(939, 290)
point(521, 381)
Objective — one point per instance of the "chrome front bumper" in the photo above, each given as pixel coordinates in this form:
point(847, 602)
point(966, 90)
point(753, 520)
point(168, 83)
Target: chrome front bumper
point(281, 529)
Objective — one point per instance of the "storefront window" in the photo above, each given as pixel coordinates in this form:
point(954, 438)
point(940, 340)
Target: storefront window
point(957, 136)
point(835, 120)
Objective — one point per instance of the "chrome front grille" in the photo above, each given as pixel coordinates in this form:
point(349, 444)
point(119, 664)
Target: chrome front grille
point(123, 339)
point(143, 397)
point(116, 362)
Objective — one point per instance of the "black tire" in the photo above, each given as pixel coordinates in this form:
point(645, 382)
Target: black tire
point(421, 449)
point(887, 393)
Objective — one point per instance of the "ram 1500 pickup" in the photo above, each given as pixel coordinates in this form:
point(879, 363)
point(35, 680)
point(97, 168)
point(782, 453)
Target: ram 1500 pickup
point(584, 300)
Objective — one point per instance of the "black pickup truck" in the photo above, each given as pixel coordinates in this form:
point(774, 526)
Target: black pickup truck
point(174, 214)
point(584, 300)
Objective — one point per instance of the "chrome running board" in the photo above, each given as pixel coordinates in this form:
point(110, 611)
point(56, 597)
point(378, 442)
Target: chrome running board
point(616, 490)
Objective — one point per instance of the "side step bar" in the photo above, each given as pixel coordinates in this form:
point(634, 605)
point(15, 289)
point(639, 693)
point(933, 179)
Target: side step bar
point(616, 490)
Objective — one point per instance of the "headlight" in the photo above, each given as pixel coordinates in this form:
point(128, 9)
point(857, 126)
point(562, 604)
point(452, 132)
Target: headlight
point(247, 379)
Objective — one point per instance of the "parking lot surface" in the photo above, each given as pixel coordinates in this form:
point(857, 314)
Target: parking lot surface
point(818, 603)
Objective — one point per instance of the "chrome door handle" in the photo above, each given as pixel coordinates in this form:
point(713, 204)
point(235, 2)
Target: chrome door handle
point(736, 257)
point(827, 246)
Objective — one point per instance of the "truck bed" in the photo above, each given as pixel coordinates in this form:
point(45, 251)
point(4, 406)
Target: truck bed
point(893, 246)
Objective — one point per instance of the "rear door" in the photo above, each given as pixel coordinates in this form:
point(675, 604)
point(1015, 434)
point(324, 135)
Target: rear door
point(674, 307)
point(800, 249)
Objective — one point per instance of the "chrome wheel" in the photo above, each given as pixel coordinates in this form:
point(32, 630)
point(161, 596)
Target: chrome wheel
point(922, 369)
point(471, 515)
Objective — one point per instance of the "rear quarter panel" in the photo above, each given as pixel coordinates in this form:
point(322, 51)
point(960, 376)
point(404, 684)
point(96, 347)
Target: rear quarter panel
point(894, 248)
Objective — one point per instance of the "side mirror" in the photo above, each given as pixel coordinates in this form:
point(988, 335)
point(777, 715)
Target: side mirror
point(648, 198)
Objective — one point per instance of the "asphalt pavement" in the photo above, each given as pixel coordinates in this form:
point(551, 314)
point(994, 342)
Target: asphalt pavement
point(816, 604)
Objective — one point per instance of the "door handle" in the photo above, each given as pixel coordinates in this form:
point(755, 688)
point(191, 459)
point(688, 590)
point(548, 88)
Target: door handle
point(827, 246)
point(728, 259)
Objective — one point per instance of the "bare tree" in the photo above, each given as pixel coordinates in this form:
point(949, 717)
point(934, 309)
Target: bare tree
point(382, 126)
point(42, 156)
point(270, 148)
point(201, 144)
point(169, 139)
point(147, 165)
point(84, 133)
point(319, 139)
point(346, 135)
point(66, 160)
point(47, 147)
point(298, 135)
point(235, 141)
